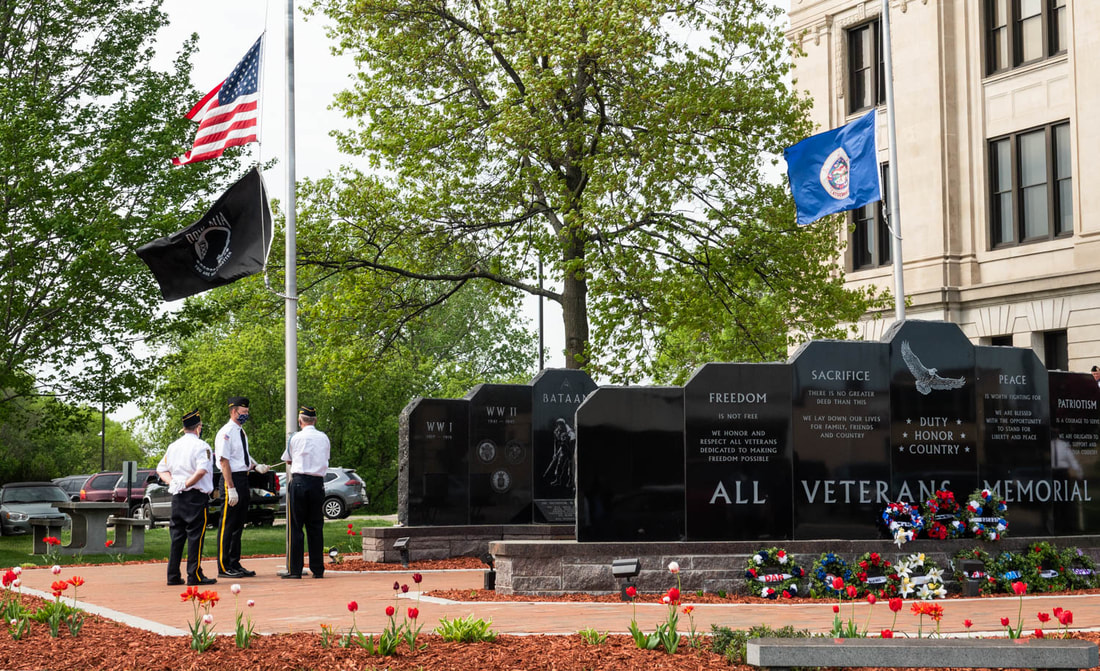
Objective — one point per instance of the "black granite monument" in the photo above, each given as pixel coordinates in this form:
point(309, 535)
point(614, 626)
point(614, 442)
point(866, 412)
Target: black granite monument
point(433, 450)
point(556, 395)
point(500, 454)
point(737, 420)
point(630, 465)
point(841, 438)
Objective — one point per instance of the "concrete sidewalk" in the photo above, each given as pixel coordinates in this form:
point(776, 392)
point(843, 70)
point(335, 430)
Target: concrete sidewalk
point(136, 594)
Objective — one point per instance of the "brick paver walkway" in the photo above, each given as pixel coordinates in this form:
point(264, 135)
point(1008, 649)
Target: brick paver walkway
point(137, 594)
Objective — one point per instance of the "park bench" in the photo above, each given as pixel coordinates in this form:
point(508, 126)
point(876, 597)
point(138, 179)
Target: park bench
point(972, 653)
point(129, 534)
point(42, 527)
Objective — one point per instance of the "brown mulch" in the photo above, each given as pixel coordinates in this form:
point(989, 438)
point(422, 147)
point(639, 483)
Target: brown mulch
point(104, 645)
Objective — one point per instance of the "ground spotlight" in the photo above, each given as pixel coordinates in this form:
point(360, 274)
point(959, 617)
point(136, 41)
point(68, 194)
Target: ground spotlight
point(402, 546)
point(625, 569)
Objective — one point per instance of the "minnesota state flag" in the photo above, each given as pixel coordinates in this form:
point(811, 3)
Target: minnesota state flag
point(834, 171)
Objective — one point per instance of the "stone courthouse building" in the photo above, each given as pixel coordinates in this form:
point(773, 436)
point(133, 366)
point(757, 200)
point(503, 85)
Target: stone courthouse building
point(998, 130)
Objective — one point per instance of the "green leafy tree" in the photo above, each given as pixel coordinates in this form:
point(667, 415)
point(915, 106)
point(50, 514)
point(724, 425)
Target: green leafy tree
point(350, 366)
point(629, 146)
point(87, 131)
point(44, 439)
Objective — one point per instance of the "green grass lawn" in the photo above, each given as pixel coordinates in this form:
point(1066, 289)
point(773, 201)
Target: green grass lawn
point(16, 550)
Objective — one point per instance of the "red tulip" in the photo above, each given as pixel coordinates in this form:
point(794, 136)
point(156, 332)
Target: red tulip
point(1044, 617)
point(390, 611)
point(417, 578)
point(413, 612)
point(352, 606)
point(895, 604)
point(1039, 633)
point(396, 585)
point(968, 624)
point(871, 599)
point(1066, 617)
point(836, 609)
point(631, 592)
point(1004, 621)
point(886, 633)
point(1019, 588)
point(852, 591)
point(674, 594)
point(838, 583)
point(76, 581)
point(404, 588)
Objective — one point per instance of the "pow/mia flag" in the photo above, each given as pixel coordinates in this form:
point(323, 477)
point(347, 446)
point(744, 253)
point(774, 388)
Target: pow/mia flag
point(231, 241)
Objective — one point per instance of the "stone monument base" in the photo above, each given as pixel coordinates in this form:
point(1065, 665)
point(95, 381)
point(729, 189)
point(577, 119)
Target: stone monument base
point(445, 542)
point(554, 567)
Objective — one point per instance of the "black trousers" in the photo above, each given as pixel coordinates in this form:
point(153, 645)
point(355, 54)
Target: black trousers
point(232, 524)
point(187, 524)
point(307, 493)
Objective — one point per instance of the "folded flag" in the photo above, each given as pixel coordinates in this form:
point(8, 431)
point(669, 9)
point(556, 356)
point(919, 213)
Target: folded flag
point(231, 241)
point(834, 171)
point(227, 116)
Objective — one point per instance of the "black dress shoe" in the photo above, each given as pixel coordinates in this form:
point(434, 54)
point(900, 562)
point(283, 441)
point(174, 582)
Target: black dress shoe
point(291, 576)
point(175, 581)
point(231, 573)
point(245, 573)
point(201, 581)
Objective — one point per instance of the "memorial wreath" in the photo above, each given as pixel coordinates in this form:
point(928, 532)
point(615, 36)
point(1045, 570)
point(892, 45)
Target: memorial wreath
point(1049, 567)
point(941, 514)
point(1011, 567)
point(828, 566)
point(1080, 569)
point(874, 574)
point(903, 521)
point(984, 515)
point(772, 573)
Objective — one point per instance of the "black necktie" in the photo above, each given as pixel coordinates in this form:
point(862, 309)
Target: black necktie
point(244, 441)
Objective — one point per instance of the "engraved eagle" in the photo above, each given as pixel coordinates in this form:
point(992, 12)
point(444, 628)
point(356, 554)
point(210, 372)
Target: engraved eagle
point(926, 378)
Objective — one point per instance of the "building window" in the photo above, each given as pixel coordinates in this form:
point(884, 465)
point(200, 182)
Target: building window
point(866, 72)
point(871, 243)
point(1056, 350)
point(1023, 31)
point(1001, 341)
point(1031, 186)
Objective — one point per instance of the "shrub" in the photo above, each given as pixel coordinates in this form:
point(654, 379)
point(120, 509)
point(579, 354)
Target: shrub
point(731, 642)
point(466, 630)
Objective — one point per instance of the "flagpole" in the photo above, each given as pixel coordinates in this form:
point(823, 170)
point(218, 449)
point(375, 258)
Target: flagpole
point(894, 206)
point(291, 241)
point(291, 259)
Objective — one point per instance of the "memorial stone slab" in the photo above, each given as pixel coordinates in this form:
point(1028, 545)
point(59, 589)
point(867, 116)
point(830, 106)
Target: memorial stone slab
point(500, 454)
point(630, 465)
point(840, 432)
point(1075, 439)
point(933, 433)
point(737, 420)
point(557, 393)
point(433, 446)
point(1013, 435)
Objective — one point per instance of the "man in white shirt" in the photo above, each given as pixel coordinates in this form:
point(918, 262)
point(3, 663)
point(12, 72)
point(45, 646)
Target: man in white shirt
point(306, 456)
point(187, 468)
point(234, 462)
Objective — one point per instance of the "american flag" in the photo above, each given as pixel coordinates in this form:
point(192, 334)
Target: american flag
point(228, 115)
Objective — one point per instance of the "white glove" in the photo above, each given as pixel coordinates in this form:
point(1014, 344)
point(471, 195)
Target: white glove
point(262, 468)
point(176, 486)
point(232, 498)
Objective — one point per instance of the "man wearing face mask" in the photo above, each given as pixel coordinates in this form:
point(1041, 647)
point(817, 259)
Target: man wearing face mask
point(231, 454)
